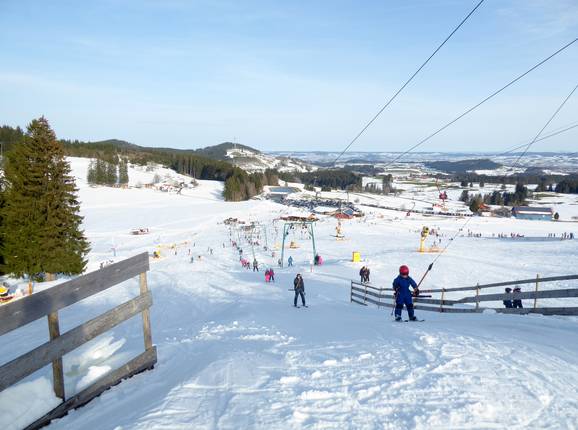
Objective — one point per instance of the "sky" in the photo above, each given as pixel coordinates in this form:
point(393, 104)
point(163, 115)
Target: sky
point(289, 75)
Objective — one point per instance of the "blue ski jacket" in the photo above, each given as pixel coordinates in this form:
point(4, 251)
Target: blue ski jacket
point(401, 285)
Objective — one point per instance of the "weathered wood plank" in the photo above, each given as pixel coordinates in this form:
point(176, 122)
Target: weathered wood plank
point(142, 362)
point(57, 372)
point(542, 311)
point(426, 300)
point(366, 286)
point(524, 295)
point(39, 357)
point(505, 284)
point(27, 309)
point(146, 319)
point(370, 293)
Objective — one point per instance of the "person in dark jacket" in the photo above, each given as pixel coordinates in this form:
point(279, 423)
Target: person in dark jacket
point(366, 275)
point(517, 303)
point(362, 274)
point(508, 302)
point(299, 287)
point(403, 295)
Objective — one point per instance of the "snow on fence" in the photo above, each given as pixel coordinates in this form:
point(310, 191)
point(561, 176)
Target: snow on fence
point(48, 302)
point(363, 294)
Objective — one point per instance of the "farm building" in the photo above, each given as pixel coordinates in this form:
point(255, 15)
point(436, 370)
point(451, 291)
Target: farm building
point(532, 213)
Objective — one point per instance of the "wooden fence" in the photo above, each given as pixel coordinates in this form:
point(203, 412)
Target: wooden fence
point(363, 294)
point(47, 303)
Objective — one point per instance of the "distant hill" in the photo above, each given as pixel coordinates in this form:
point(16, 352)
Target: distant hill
point(220, 152)
point(463, 166)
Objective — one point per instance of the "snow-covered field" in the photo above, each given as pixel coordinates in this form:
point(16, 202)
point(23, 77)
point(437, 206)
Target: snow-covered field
point(234, 353)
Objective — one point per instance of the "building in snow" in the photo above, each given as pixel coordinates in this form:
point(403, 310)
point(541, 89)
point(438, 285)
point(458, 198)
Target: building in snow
point(532, 213)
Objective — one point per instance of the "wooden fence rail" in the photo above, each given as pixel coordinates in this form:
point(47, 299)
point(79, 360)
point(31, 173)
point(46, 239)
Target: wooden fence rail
point(367, 293)
point(47, 303)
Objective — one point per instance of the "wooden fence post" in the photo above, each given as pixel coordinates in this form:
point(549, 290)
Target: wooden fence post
point(537, 284)
point(478, 296)
point(442, 301)
point(146, 319)
point(351, 292)
point(57, 373)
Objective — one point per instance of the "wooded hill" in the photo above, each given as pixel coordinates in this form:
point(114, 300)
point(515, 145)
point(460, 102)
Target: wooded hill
point(187, 162)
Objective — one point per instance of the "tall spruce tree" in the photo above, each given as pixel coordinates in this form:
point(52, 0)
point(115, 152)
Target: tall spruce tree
point(123, 172)
point(111, 174)
point(41, 222)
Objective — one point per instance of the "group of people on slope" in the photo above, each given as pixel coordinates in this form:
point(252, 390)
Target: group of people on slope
point(516, 303)
point(364, 274)
point(269, 275)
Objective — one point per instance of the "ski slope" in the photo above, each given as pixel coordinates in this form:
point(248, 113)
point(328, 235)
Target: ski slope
point(235, 353)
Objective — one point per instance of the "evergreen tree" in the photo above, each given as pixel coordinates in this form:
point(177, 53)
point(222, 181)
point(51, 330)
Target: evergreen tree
point(2, 201)
point(41, 221)
point(100, 172)
point(123, 173)
point(111, 174)
point(91, 174)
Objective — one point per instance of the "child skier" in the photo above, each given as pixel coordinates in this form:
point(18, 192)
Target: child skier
point(267, 275)
point(403, 295)
point(255, 265)
point(271, 275)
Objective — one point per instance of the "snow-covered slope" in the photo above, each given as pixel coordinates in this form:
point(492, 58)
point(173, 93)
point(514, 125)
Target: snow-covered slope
point(255, 161)
point(234, 353)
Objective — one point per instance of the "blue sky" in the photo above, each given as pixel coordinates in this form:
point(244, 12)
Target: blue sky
point(288, 75)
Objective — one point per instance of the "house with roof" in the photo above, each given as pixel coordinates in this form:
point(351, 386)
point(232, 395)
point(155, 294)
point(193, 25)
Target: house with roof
point(533, 213)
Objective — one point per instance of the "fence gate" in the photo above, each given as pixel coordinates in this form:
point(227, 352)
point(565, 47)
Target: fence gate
point(47, 303)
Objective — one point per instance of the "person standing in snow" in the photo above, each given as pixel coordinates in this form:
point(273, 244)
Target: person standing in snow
point(403, 295)
point(508, 302)
point(299, 288)
point(255, 265)
point(271, 275)
point(517, 303)
point(366, 278)
point(290, 261)
point(362, 274)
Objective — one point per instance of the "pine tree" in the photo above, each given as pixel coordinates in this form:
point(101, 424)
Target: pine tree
point(100, 172)
point(41, 229)
point(111, 175)
point(91, 174)
point(123, 173)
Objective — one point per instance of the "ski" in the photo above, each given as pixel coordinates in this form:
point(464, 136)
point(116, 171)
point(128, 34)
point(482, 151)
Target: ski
point(413, 320)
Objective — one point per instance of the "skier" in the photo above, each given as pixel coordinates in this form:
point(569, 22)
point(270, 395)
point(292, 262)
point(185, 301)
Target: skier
point(255, 265)
point(271, 275)
point(517, 303)
point(367, 274)
point(290, 261)
point(299, 288)
point(267, 275)
point(508, 302)
point(403, 295)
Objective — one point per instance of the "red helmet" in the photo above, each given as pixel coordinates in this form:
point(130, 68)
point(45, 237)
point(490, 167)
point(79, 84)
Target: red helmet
point(404, 270)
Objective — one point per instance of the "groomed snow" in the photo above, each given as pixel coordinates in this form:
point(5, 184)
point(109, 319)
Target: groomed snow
point(234, 353)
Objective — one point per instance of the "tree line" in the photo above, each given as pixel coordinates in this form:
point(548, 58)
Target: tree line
point(326, 179)
point(108, 170)
point(500, 198)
